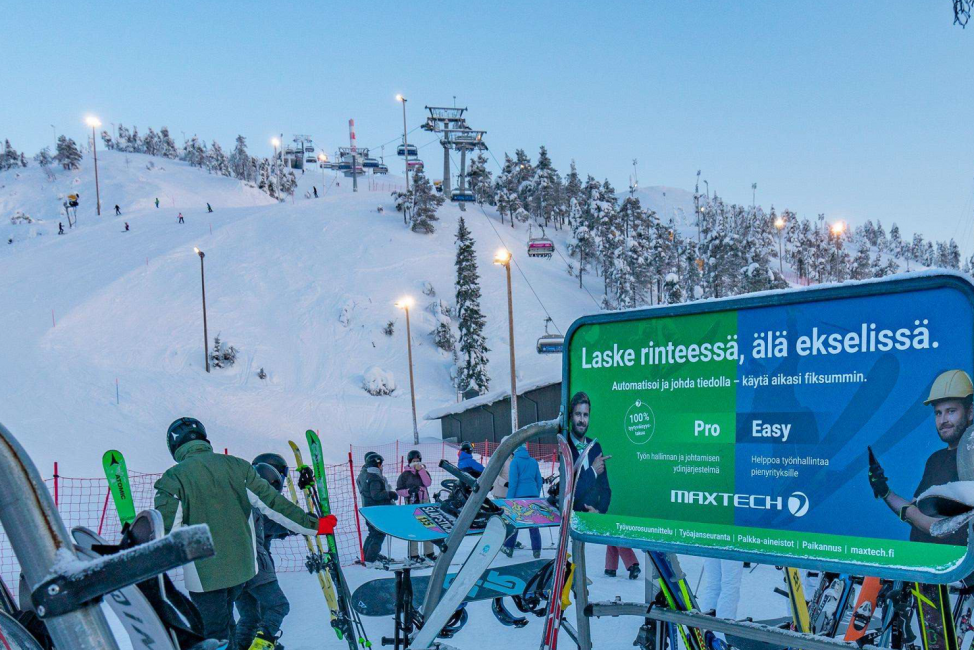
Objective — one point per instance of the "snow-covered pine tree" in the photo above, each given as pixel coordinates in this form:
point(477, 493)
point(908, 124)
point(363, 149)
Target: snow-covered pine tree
point(23, 159)
point(443, 336)
point(167, 146)
point(425, 204)
point(44, 158)
point(882, 243)
point(68, 155)
point(216, 160)
point(505, 190)
point(194, 152)
point(895, 241)
point(10, 158)
point(106, 139)
point(472, 344)
point(480, 180)
point(953, 254)
point(521, 178)
point(861, 264)
point(544, 189)
point(573, 192)
point(928, 254)
point(151, 143)
point(240, 163)
point(122, 143)
point(135, 142)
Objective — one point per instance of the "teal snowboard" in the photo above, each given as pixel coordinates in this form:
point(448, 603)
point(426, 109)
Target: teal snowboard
point(378, 597)
point(427, 522)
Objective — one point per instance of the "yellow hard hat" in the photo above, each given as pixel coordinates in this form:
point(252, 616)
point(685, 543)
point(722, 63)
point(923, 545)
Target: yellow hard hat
point(953, 384)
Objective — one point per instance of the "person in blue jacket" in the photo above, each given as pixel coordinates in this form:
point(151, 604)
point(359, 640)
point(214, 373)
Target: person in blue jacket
point(524, 482)
point(466, 463)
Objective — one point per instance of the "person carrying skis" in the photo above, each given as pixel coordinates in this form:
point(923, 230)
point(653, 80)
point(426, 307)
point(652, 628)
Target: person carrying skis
point(466, 463)
point(118, 210)
point(262, 605)
point(220, 491)
point(375, 491)
point(157, 203)
point(181, 218)
point(525, 482)
point(412, 486)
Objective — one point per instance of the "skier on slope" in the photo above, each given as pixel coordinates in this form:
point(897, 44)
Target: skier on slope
point(375, 491)
point(262, 605)
point(118, 210)
point(220, 491)
point(209, 208)
point(315, 189)
point(525, 482)
point(466, 463)
point(412, 486)
point(181, 220)
point(157, 203)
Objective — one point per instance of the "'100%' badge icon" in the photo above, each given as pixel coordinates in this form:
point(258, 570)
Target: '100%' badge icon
point(640, 424)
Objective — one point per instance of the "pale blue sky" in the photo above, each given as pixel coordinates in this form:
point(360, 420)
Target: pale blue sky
point(855, 109)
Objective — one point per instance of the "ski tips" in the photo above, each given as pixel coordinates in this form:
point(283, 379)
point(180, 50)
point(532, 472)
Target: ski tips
point(872, 456)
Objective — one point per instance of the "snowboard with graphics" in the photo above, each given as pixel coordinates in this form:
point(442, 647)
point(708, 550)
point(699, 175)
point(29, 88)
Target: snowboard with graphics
point(378, 597)
point(428, 521)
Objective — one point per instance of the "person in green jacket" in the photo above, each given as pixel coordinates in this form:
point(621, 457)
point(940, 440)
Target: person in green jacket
point(221, 491)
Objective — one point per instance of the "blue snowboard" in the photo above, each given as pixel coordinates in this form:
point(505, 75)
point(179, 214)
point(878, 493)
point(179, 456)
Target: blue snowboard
point(426, 522)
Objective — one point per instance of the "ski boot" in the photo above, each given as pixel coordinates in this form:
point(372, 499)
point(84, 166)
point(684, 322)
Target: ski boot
point(264, 642)
point(634, 571)
point(610, 573)
point(508, 551)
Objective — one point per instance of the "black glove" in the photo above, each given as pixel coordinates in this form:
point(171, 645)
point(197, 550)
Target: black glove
point(393, 495)
point(306, 478)
point(877, 477)
point(414, 492)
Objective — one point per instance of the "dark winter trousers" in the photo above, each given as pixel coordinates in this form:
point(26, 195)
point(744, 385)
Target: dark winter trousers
point(535, 539)
point(261, 608)
point(216, 610)
point(373, 543)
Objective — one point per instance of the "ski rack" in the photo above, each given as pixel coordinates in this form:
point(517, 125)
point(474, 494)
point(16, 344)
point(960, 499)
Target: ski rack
point(477, 498)
point(747, 629)
point(47, 558)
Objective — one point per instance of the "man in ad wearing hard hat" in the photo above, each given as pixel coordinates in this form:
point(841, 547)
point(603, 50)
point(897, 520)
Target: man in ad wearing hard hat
point(951, 397)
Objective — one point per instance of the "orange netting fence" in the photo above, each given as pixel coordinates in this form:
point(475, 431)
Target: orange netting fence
point(87, 501)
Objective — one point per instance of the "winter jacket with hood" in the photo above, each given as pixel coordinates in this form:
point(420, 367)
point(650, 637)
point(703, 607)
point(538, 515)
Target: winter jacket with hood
point(413, 478)
point(220, 491)
point(525, 477)
point(374, 488)
point(467, 464)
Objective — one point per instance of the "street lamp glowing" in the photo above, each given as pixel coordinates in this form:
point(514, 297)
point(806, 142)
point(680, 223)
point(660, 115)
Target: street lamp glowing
point(92, 121)
point(406, 302)
point(838, 228)
point(275, 142)
point(502, 257)
point(322, 158)
point(779, 223)
point(400, 98)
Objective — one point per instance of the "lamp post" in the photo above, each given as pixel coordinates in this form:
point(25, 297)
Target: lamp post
point(779, 223)
point(94, 123)
point(503, 258)
point(206, 338)
point(837, 229)
point(322, 159)
point(277, 169)
point(754, 196)
point(405, 303)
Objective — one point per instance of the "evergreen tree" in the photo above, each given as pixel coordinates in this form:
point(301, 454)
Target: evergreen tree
point(151, 144)
point(43, 157)
point(862, 265)
point(107, 139)
point(472, 344)
point(124, 137)
point(480, 180)
point(68, 155)
point(217, 162)
point(10, 158)
point(23, 159)
point(573, 191)
point(167, 146)
point(544, 189)
point(240, 163)
point(194, 153)
point(882, 243)
point(425, 202)
point(135, 142)
point(895, 241)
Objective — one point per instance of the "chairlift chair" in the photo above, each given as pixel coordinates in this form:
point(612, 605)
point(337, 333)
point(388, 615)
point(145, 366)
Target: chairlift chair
point(461, 196)
point(370, 163)
point(401, 150)
point(381, 169)
point(415, 165)
point(541, 247)
point(550, 343)
point(309, 149)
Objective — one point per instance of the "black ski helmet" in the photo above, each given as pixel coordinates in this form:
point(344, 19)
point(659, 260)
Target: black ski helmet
point(467, 447)
point(270, 474)
point(373, 459)
point(274, 460)
point(414, 455)
point(182, 431)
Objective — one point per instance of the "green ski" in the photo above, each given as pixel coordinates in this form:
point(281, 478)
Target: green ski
point(118, 482)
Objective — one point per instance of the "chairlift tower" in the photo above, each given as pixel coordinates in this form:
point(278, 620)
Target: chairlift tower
point(463, 140)
point(442, 119)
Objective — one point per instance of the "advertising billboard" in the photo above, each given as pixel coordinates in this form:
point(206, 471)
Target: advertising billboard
point(794, 427)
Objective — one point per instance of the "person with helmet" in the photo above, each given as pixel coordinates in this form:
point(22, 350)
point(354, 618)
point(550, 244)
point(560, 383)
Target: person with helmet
point(412, 486)
point(466, 462)
point(375, 491)
point(220, 491)
point(951, 397)
point(525, 483)
point(262, 605)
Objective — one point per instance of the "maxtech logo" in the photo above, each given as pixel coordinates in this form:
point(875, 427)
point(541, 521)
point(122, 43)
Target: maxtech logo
point(797, 503)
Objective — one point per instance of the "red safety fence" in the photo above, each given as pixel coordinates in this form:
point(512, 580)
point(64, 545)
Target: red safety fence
point(87, 501)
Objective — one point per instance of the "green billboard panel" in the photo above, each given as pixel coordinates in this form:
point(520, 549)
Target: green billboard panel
point(819, 428)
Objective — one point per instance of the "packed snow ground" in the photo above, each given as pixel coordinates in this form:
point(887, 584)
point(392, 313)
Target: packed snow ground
point(302, 289)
